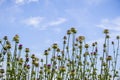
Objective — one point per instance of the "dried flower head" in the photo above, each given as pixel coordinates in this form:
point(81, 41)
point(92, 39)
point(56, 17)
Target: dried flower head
point(81, 38)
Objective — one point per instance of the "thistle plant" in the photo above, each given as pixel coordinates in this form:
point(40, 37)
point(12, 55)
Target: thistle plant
point(76, 60)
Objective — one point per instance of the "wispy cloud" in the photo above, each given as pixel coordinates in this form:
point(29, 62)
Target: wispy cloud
point(113, 24)
point(20, 2)
point(33, 21)
point(42, 23)
point(57, 22)
point(33, 0)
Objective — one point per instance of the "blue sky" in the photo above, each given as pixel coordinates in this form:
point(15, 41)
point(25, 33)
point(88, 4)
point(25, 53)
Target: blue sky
point(40, 23)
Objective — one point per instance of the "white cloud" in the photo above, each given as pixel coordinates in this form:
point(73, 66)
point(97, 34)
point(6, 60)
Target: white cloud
point(33, 21)
point(41, 23)
point(113, 24)
point(33, 0)
point(19, 2)
point(57, 22)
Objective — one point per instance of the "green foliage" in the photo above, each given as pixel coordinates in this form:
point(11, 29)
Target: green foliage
point(73, 62)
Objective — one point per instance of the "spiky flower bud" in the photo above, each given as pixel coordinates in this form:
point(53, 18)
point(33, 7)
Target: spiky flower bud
point(27, 50)
point(85, 54)
point(86, 46)
point(27, 59)
point(107, 36)
point(28, 66)
point(49, 49)
point(55, 46)
point(33, 56)
point(2, 71)
point(5, 38)
point(36, 63)
point(16, 38)
point(58, 49)
point(46, 52)
point(106, 31)
point(41, 60)
point(20, 46)
point(62, 69)
point(41, 72)
point(64, 37)
point(112, 42)
point(68, 32)
point(49, 66)
point(73, 30)
point(109, 58)
point(118, 37)
point(72, 73)
point(59, 77)
point(59, 57)
point(81, 38)
point(93, 44)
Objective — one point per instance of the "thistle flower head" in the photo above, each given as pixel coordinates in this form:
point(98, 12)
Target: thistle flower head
point(27, 50)
point(20, 46)
point(81, 38)
point(106, 31)
point(58, 49)
point(64, 37)
point(68, 32)
point(2, 71)
point(48, 66)
point(62, 69)
point(55, 46)
point(109, 58)
point(73, 30)
point(46, 52)
point(33, 56)
point(112, 42)
point(107, 36)
point(16, 38)
point(36, 63)
point(5, 38)
point(72, 72)
point(118, 37)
